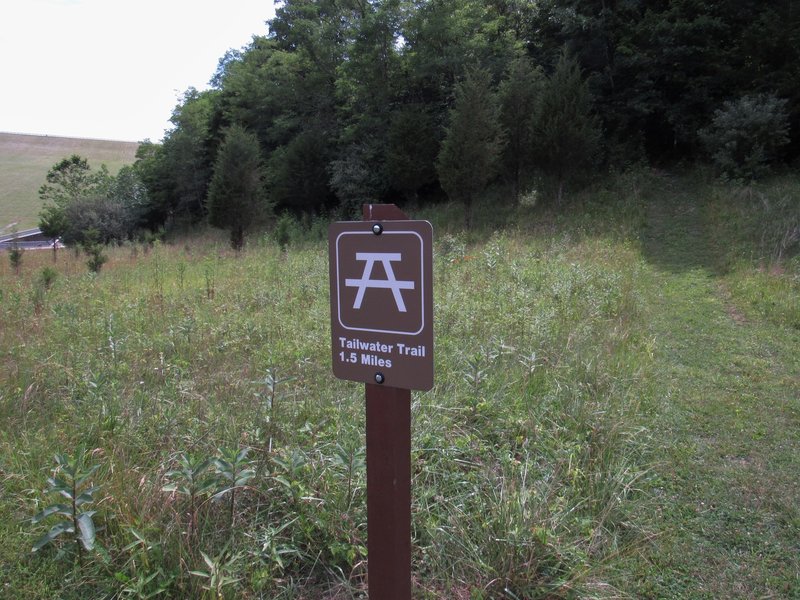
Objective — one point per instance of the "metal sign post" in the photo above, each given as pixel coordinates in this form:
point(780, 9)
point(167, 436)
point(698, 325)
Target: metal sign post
point(382, 335)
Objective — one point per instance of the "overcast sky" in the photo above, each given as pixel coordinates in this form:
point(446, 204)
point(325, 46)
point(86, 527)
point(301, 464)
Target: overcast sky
point(113, 69)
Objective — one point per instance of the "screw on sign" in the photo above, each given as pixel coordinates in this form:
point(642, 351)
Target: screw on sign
point(382, 335)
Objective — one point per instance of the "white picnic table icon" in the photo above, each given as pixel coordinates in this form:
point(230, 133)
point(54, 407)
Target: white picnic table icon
point(386, 259)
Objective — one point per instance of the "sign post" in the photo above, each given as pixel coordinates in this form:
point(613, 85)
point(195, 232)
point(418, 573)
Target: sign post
point(382, 335)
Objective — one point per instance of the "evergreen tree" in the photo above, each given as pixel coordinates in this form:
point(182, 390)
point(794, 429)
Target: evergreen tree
point(152, 168)
point(236, 195)
point(411, 154)
point(357, 175)
point(747, 135)
point(189, 150)
point(473, 141)
point(567, 132)
point(297, 173)
point(519, 96)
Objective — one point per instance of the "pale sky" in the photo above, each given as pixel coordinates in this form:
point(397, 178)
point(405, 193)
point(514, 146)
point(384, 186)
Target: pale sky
point(113, 69)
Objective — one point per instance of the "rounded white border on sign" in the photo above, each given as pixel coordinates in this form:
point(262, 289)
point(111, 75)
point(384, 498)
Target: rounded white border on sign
point(421, 279)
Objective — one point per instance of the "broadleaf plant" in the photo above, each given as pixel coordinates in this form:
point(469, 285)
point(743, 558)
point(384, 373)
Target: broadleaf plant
point(234, 471)
point(191, 480)
point(69, 480)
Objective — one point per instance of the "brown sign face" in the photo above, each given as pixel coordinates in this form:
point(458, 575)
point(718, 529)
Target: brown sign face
point(382, 302)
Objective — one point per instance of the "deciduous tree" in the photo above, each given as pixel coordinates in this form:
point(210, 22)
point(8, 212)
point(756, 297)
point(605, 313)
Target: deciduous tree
point(69, 181)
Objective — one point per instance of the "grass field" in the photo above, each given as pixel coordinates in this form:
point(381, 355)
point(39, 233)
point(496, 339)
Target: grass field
point(615, 414)
point(26, 159)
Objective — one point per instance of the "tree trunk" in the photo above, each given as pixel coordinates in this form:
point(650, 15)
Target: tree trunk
point(237, 237)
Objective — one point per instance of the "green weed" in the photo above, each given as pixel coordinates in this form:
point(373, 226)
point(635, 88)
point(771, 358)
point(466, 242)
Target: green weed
point(70, 480)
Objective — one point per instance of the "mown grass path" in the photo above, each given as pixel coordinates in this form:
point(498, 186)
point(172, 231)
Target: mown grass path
point(727, 425)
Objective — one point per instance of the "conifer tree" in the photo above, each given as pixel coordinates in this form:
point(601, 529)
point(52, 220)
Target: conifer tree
point(519, 96)
point(236, 195)
point(567, 132)
point(411, 152)
point(474, 140)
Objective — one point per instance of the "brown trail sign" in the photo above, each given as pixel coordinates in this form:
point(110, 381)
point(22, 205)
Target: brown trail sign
point(382, 335)
point(382, 302)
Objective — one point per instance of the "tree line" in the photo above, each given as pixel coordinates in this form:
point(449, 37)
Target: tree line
point(346, 101)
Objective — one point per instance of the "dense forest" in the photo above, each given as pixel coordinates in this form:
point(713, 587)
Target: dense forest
point(413, 100)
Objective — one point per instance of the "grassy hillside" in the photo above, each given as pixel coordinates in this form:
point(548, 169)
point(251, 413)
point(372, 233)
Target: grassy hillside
point(615, 415)
point(25, 160)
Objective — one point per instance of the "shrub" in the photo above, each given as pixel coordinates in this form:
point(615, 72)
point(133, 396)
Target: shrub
point(93, 250)
point(15, 258)
point(746, 135)
point(104, 218)
point(47, 277)
point(283, 230)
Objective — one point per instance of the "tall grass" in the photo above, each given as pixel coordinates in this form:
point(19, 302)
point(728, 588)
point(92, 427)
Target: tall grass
point(759, 229)
point(528, 454)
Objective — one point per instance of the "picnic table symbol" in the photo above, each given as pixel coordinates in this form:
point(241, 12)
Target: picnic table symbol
point(386, 259)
